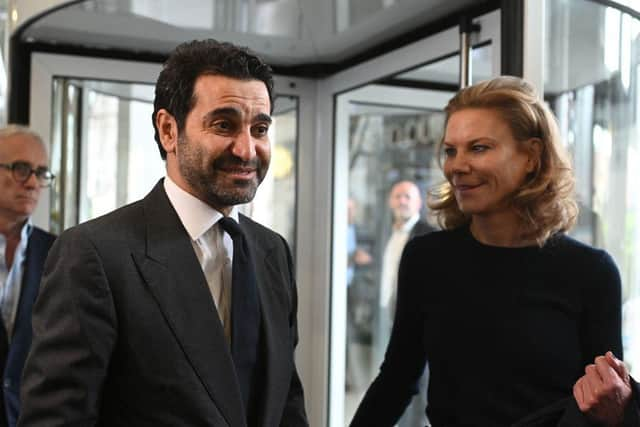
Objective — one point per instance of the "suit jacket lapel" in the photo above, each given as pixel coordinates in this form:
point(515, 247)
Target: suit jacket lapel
point(174, 276)
point(274, 318)
point(37, 249)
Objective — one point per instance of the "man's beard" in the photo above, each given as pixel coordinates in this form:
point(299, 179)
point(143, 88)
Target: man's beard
point(402, 215)
point(209, 182)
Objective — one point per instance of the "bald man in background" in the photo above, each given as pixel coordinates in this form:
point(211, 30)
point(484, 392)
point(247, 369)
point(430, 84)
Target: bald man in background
point(405, 203)
point(23, 250)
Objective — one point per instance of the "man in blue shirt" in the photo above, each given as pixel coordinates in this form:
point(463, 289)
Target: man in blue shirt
point(23, 250)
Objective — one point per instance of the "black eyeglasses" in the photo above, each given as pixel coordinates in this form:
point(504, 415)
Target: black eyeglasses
point(22, 172)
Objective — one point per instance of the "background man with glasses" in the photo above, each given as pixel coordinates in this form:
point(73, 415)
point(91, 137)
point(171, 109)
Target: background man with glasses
point(23, 250)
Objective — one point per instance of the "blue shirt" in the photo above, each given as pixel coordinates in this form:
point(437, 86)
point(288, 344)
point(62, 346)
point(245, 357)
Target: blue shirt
point(11, 277)
point(351, 250)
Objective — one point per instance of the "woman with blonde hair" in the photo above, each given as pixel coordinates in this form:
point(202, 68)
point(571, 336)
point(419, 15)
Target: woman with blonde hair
point(510, 313)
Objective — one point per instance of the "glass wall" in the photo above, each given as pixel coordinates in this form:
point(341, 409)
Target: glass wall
point(592, 82)
point(104, 152)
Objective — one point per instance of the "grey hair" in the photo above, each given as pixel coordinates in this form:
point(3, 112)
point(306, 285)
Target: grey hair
point(13, 129)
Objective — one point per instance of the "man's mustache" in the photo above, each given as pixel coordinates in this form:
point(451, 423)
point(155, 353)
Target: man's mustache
point(229, 161)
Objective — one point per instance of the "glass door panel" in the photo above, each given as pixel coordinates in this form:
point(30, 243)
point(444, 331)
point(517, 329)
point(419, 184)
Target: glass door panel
point(592, 82)
point(388, 144)
point(388, 130)
point(104, 151)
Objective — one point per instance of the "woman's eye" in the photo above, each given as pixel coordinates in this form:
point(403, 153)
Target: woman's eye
point(449, 152)
point(479, 148)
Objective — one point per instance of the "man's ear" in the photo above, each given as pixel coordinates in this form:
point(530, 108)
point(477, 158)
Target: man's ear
point(167, 130)
point(535, 152)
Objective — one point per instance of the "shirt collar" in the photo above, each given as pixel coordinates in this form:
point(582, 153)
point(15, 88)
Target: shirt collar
point(407, 226)
point(25, 233)
point(196, 216)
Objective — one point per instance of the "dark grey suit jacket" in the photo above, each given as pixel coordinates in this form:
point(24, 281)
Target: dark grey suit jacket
point(126, 332)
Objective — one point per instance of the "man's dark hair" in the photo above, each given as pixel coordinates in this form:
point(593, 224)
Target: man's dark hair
point(190, 60)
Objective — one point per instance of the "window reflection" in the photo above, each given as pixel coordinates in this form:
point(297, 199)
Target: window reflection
point(592, 83)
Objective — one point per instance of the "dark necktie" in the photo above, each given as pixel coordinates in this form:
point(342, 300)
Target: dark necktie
point(245, 311)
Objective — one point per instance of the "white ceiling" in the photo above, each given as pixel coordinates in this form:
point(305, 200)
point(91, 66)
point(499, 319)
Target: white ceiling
point(285, 32)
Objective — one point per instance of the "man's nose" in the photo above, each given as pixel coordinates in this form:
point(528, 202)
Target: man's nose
point(32, 181)
point(244, 146)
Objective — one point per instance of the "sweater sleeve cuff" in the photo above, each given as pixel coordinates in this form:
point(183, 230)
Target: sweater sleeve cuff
point(632, 411)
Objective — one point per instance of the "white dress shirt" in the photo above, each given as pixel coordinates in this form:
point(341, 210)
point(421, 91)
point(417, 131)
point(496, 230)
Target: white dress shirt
point(213, 247)
point(391, 261)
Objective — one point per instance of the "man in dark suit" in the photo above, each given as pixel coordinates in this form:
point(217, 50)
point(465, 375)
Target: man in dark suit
point(405, 203)
point(23, 250)
point(138, 321)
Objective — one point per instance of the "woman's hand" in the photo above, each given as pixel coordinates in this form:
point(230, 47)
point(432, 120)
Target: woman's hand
point(604, 391)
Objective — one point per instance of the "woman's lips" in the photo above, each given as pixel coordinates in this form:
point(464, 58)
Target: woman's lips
point(465, 188)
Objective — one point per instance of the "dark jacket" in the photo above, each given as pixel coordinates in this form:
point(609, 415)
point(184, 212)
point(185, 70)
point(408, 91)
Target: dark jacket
point(126, 332)
point(12, 356)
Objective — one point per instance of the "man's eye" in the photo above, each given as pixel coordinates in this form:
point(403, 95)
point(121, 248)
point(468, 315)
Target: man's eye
point(22, 167)
point(43, 171)
point(261, 130)
point(223, 125)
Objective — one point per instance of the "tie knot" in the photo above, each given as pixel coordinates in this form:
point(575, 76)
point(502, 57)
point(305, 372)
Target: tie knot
point(230, 226)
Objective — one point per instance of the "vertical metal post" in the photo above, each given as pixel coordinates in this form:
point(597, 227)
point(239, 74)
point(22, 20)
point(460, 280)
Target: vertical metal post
point(64, 151)
point(467, 27)
point(465, 51)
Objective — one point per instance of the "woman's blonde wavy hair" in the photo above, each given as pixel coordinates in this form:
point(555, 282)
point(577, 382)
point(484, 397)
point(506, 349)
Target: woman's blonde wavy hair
point(545, 203)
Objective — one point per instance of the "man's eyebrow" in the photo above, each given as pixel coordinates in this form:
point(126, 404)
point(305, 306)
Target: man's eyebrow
point(262, 117)
point(33, 165)
point(234, 112)
point(224, 111)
